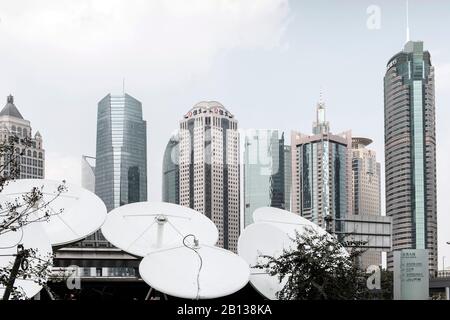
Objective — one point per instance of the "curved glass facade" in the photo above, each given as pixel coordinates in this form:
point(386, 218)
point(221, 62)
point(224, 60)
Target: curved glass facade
point(264, 171)
point(321, 173)
point(171, 172)
point(121, 165)
point(410, 151)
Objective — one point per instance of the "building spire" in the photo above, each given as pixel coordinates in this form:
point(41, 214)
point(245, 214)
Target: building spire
point(407, 21)
point(321, 125)
point(321, 96)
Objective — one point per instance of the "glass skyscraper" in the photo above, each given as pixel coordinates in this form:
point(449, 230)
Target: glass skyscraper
point(410, 151)
point(321, 174)
point(121, 159)
point(287, 177)
point(264, 171)
point(171, 171)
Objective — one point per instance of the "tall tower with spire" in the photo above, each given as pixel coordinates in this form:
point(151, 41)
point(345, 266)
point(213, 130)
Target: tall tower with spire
point(321, 174)
point(32, 159)
point(321, 125)
point(410, 151)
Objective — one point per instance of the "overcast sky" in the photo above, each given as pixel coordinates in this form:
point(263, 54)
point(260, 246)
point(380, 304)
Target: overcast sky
point(265, 60)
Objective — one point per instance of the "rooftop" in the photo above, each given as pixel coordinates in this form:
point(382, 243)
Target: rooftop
point(10, 109)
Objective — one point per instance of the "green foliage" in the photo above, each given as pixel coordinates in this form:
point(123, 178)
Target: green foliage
point(317, 268)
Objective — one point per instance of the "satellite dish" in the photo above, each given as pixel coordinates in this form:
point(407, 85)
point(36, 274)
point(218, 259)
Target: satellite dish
point(142, 227)
point(259, 239)
point(290, 223)
point(180, 272)
point(285, 220)
point(31, 236)
point(82, 213)
point(274, 230)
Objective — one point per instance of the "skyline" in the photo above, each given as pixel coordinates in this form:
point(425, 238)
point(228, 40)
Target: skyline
point(255, 79)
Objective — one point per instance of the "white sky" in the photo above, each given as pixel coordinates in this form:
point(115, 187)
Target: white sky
point(265, 60)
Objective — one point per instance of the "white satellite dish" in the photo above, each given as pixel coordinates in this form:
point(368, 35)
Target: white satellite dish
point(286, 220)
point(82, 213)
point(180, 272)
point(31, 236)
point(142, 227)
point(259, 239)
point(274, 230)
point(290, 223)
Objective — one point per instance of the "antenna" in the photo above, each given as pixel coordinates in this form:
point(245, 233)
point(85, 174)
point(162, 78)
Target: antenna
point(407, 20)
point(123, 86)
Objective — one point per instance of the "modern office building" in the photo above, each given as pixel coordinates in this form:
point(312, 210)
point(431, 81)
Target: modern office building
point(287, 177)
point(32, 154)
point(264, 171)
point(366, 182)
point(88, 173)
point(321, 174)
point(410, 151)
point(171, 171)
point(209, 167)
point(121, 159)
point(366, 178)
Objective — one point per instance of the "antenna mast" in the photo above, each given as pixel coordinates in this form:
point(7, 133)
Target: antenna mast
point(407, 20)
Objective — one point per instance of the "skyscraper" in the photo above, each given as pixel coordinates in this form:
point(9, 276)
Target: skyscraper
point(321, 174)
point(32, 160)
point(88, 173)
point(287, 177)
point(366, 196)
point(171, 171)
point(410, 151)
point(366, 178)
point(264, 171)
point(209, 167)
point(121, 160)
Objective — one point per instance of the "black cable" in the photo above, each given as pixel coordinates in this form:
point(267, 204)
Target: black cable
point(193, 248)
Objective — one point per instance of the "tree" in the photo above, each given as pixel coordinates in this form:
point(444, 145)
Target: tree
point(15, 214)
point(317, 268)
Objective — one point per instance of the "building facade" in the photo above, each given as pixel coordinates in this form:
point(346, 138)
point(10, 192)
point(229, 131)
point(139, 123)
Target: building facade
point(171, 171)
point(321, 174)
point(287, 177)
point(366, 183)
point(264, 171)
point(366, 178)
point(29, 148)
point(410, 151)
point(209, 168)
point(121, 157)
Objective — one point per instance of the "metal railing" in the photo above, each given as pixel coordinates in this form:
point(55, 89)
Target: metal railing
point(442, 274)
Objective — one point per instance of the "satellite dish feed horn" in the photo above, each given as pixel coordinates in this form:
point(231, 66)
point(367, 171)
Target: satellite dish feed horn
point(161, 220)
